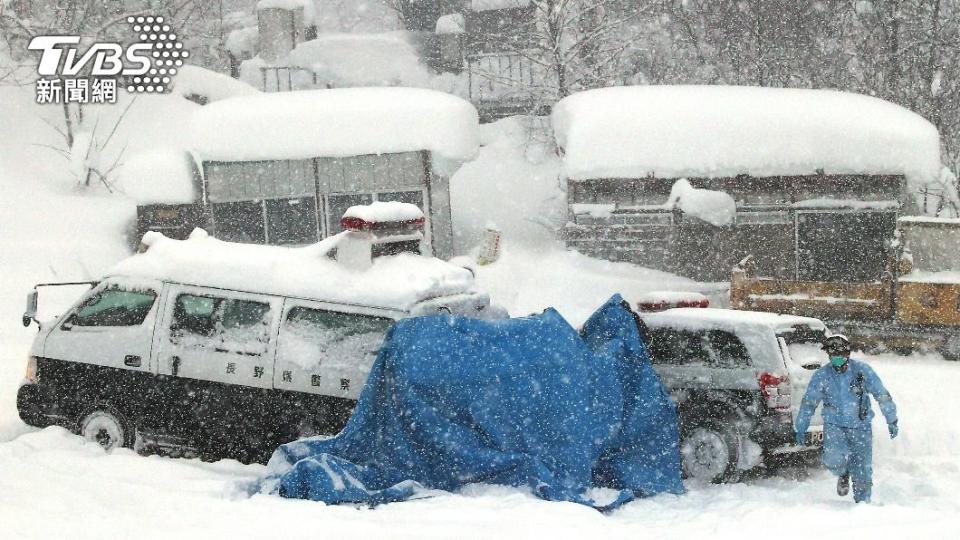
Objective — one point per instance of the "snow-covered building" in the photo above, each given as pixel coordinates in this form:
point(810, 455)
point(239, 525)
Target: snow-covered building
point(692, 179)
point(479, 49)
point(505, 74)
point(282, 168)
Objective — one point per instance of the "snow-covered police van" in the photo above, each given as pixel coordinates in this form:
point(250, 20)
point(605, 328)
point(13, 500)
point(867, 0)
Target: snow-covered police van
point(737, 378)
point(230, 349)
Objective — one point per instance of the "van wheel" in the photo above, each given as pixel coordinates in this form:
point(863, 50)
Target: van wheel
point(105, 426)
point(709, 452)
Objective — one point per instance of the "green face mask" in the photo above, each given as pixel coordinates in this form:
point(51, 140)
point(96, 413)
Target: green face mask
point(838, 361)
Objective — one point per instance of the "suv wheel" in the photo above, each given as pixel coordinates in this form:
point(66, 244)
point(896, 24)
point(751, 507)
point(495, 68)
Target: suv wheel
point(709, 452)
point(951, 349)
point(105, 426)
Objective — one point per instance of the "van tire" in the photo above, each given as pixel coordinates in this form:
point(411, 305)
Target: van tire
point(226, 434)
point(105, 426)
point(709, 451)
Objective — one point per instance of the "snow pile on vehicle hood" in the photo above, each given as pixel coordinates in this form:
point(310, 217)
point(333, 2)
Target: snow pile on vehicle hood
point(392, 282)
point(336, 122)
point(719, 131)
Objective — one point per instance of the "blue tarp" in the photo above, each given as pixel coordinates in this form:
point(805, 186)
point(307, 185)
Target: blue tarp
point(529, 402)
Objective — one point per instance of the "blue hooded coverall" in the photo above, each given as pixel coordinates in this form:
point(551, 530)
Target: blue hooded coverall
point(847, 440)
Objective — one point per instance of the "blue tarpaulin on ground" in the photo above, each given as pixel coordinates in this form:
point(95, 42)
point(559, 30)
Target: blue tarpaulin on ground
point(529, 402)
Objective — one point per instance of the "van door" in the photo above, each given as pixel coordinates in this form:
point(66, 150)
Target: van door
point(325, 350)
point(219, 336)
point(111, 328)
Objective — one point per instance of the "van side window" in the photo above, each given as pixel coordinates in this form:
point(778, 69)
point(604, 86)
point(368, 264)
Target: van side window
point(310, 337)
point(676, 347)
point(115, 307)
point(224, 320)
point(726, 350)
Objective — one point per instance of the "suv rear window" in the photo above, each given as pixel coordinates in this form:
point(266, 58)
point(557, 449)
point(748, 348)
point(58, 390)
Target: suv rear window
point(677, 347)
point(726, 350)
point(714, 348)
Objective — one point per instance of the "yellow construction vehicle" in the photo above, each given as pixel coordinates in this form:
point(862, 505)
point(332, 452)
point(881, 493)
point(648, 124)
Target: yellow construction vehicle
point(915, 304)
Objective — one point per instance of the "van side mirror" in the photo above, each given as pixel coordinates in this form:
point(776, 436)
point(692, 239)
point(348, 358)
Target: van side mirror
point(31, 312)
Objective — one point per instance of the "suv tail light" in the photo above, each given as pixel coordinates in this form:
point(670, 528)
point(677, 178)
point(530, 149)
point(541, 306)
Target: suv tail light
point(31, 371)
point(775, 391)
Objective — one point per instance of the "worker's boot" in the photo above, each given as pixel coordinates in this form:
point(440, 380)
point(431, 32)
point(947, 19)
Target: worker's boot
point(843, 485)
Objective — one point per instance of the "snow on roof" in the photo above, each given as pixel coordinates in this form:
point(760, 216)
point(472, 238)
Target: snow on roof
point(336, 123)
point(165, 175)
point(392, 282)
point(342, 60)
point(384, 211)
point(488, 5)
point(929, 220)
point(715, 207)
point(694, 318)
point(195, 80)
point(718, 131)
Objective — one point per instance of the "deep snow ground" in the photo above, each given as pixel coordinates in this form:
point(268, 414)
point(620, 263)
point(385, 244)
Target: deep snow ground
point(56, 485)
point(53, 484)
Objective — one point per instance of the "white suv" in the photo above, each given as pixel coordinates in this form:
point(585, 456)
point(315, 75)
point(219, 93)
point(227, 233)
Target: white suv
point(737, 378)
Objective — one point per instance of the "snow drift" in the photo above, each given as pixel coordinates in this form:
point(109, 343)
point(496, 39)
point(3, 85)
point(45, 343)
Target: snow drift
point(164, 175)
point(525, 402)
point(718, 131)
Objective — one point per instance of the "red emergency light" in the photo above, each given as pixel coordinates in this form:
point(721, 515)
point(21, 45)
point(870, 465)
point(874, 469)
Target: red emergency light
point(358, 224)
point(653, 302)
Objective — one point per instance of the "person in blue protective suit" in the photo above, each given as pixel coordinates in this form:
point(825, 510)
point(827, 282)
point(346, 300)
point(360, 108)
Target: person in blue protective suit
point(843, 386)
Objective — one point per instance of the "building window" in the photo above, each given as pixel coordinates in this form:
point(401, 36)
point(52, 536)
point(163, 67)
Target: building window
point(843, 246)
point(411, 197)
point(292, 221)
point(239, 221)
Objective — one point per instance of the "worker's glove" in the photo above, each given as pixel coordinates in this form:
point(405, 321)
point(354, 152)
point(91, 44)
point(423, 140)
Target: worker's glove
point(893, 429)
point(800, 438)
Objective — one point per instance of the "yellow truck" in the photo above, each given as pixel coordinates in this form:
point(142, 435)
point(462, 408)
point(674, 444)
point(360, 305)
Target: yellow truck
point(916, 303)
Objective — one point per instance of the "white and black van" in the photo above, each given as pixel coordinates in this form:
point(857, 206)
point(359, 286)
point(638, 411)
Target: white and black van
point(230, 349)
